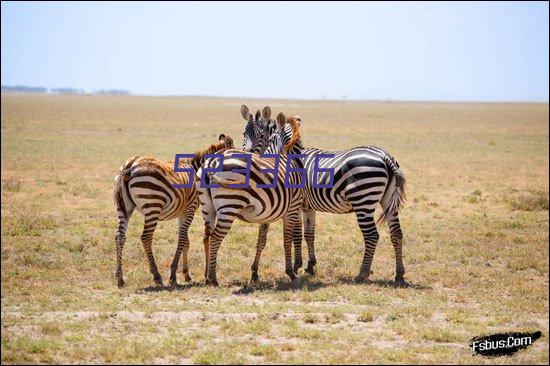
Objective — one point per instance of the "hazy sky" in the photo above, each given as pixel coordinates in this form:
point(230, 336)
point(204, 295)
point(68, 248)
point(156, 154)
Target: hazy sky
point(407, 51)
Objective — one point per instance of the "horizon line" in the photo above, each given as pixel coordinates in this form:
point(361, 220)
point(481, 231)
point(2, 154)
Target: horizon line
point(379, 100)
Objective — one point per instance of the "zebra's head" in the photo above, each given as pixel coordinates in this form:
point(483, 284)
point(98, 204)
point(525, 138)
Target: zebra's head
point(257, 130)
point(226, 140)
point(286, 138)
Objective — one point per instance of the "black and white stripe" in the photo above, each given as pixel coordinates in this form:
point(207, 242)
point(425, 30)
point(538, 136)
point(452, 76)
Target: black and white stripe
point(221, 206)
point(363, 178)
point(146, 184)
point(258, 130)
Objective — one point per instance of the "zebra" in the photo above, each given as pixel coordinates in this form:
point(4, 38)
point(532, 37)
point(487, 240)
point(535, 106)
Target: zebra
point(220, 206)
point(363, 177)
point(146, 183)
point(256, 135)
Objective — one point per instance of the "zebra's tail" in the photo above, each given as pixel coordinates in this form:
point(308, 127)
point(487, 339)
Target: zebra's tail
point(121, 193)
point(208, 209)
point(394, 196)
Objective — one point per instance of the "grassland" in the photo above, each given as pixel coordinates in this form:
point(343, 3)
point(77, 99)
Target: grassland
point(475, 251)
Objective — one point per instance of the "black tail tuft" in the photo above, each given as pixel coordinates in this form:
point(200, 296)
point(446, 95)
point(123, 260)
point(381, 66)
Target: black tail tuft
point(397, 193)
point(121, 186)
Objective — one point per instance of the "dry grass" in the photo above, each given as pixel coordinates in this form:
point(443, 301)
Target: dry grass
point(475, 225)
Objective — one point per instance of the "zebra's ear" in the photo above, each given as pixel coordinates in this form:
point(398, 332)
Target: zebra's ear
point(246, 113)
point(221, 138)
point(266, 113)
point(281, 120)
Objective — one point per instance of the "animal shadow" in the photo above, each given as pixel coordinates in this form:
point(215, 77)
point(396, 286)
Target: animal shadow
point(384, 283)
point(279, 285)
point(171, 288)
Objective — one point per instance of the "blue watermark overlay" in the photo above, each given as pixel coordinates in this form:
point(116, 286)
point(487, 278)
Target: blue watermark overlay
point(178, 169)
point(290, 169)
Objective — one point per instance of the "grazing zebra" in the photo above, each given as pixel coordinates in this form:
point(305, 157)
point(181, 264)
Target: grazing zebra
point(363, 177)
point(146, 183)
point(220, 206)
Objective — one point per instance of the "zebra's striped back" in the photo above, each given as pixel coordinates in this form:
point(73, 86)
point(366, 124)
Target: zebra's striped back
point(150, 187)
point(254, 204)
point(359, 171)
point(149, 182)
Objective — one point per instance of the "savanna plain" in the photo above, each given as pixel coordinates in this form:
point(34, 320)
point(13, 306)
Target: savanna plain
point(475, 229)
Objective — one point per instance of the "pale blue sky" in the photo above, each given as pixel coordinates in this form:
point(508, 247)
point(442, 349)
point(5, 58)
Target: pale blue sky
point(403, 51)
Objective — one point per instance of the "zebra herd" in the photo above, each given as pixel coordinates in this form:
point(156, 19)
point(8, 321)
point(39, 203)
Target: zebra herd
point(363, 177)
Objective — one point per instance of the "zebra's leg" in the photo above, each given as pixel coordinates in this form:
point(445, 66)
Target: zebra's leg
point(289, 222)
point(396, 236)
point(188, 217)
point(147, 240)
point(120, 239)
point(297, 239)
point(183, 246)
point(365, 218)
point(223, 224)
point(206, 242)
point(309, 234)
point(260, 245)
point(208, 212)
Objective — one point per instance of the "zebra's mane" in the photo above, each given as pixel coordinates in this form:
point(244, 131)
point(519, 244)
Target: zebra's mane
point(198, 159)
point(296, 134)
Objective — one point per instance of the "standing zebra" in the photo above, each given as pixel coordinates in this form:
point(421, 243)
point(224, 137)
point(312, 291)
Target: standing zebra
point(220, 206)
point(146, 183)
point(256, 138)
point(363, 177)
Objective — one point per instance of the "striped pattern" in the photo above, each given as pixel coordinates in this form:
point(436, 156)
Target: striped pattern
point(221, 206)
point(258, 129)
point(363, 178)
point(145, 184)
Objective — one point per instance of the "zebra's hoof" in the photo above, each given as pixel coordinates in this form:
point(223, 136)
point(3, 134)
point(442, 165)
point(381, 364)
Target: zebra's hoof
point(120, 282)
point(213, 283)
point(361, 278)
point(310, 271)
point(173, 282)
point(254, 278)
point(292, 275)
point(297, 266)
point(158, 280)
point(400, 281)
point(188, 278)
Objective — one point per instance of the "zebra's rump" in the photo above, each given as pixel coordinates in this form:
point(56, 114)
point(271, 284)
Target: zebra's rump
point(361, 176)
point(150, 185)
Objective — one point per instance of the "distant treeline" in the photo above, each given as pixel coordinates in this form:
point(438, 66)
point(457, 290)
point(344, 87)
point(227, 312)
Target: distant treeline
point(24, 89)
point(112, 92)
point(42, 90)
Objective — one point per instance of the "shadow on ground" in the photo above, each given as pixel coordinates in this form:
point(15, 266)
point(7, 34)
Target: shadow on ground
point(171, 288)
point(300, 283)
point(305, 283)
point(383, 283)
